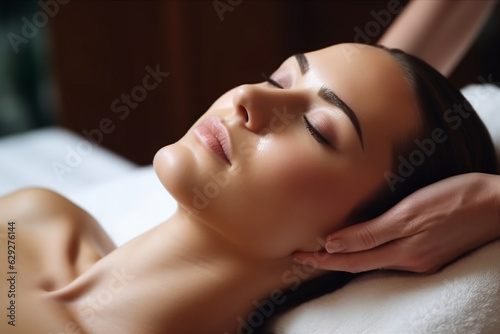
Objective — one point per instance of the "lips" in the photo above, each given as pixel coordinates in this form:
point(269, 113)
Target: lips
point(214, 135)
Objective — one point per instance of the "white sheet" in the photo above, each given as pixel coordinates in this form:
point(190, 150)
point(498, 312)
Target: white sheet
point(486, 100)
point(57, 159)
point(127, 206)
point(125, 199)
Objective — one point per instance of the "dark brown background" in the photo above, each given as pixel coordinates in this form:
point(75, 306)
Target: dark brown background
point(101, 49)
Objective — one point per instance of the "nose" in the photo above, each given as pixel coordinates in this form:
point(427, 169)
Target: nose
point(263, 108)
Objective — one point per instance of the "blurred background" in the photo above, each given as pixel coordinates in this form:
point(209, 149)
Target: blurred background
point(134, 75)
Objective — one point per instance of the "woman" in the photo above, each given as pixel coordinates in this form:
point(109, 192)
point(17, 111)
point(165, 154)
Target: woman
point(439, 32)
point(269, 170)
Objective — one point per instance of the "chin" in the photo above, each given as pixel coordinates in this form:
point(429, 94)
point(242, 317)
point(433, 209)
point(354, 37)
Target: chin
point(175, 167)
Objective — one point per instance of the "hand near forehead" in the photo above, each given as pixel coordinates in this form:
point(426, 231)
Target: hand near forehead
point(423, 232)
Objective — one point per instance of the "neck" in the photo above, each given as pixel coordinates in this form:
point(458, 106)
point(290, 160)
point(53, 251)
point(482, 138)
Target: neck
point(180, 271)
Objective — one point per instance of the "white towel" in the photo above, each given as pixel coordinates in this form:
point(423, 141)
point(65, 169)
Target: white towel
point(462, 298)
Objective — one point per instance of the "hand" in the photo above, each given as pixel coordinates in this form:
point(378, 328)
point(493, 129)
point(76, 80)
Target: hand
point(423, 232)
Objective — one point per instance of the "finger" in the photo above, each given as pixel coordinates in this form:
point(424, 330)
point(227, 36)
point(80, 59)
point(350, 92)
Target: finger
point(364, 236)
point(377, 258)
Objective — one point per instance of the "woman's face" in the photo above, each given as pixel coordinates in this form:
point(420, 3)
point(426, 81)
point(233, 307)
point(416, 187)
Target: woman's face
point(273, 166)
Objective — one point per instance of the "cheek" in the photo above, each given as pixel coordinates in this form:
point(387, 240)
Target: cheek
point(311, 184)
point(313, 191)
point(307, 195)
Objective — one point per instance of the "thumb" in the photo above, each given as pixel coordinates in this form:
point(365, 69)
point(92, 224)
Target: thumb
point(362, 236)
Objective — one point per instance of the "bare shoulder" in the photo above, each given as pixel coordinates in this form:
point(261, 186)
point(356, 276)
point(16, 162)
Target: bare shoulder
point(31, 202)
point(44, 209)
point(46, 242)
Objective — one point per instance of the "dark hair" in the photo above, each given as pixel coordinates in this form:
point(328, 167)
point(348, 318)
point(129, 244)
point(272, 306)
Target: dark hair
point(457, 143)
point(450, 140)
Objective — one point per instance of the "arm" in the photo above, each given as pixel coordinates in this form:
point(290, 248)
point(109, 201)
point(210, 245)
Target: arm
point(438, 31)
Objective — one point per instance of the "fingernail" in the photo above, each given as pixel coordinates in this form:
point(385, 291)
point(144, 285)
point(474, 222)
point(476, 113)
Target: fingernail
point(334, 246)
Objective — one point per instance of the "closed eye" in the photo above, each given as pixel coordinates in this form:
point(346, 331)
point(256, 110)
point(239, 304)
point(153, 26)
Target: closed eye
point(312, 130)
point(271, 81)
point(315, 133)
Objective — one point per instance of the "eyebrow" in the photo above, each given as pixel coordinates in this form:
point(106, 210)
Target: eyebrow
point(303, 62)
point(329, 96)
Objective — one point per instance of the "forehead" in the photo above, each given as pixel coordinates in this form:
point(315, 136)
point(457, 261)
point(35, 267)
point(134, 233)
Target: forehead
point(373, 84)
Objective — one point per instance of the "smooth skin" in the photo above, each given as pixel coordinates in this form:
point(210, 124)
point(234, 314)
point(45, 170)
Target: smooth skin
point(445, 220)
point(200, 264)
